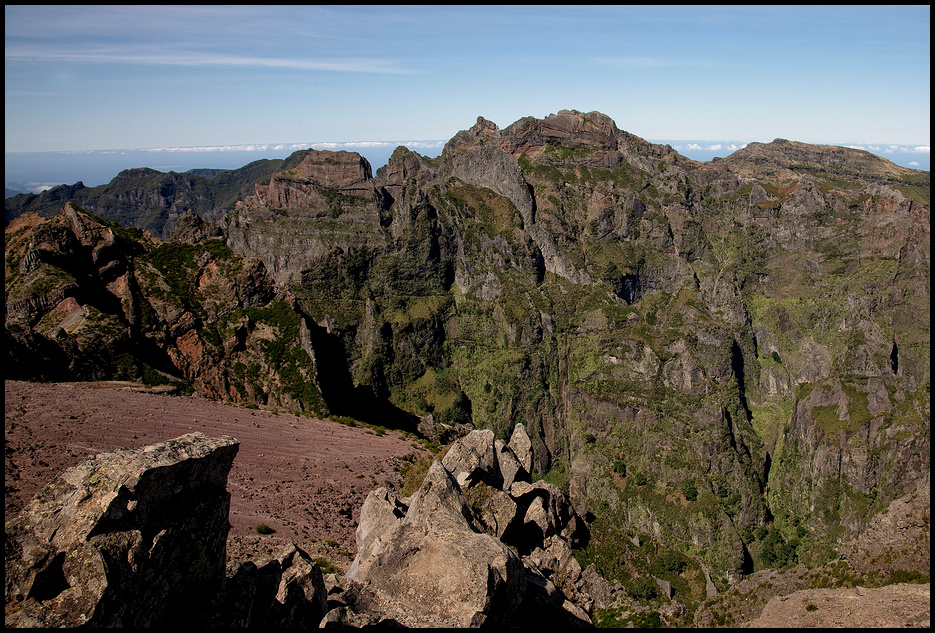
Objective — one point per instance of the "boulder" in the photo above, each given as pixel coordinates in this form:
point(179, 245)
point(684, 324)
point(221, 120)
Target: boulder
point(521, 446)
point(379, 514)
point(285, 592)
point(478, 457)
point(494, 508)
point(511, 469)
point(546, 512)
point(129, 538)
point(473, 458)
point(138, 538)
point(438, 562)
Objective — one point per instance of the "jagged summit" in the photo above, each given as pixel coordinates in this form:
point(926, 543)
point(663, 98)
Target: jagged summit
point(726, 362)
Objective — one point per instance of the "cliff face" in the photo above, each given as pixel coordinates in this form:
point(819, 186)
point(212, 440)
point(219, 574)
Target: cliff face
point(734, 334)
point(327, 201)
point(89, 300)
point(728, 359)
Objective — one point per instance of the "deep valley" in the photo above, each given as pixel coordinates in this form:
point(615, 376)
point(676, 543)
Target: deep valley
point(724, 366)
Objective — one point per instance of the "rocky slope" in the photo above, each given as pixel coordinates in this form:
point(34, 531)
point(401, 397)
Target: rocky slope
point(724, 362)
point(89, 300)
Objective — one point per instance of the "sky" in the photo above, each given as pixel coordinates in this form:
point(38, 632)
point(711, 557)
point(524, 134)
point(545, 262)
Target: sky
point(168, 77)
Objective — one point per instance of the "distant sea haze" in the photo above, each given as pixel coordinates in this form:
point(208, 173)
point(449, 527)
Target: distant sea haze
point(33, 172)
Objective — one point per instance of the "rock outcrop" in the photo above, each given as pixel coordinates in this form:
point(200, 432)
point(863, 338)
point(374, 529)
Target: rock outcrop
point(471, 547)
point(324, 187)
point(128, 538)
point(137, 538)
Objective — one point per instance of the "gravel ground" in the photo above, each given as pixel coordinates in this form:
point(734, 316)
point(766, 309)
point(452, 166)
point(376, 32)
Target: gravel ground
point(304, 477)
point(893, 606)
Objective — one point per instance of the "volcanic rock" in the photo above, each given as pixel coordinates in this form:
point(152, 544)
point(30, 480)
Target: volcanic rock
point(129, 538)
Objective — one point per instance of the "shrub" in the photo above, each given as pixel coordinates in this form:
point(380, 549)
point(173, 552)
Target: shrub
point(325, 566)
point(644, 589)
point(671, 562)
point(688, 488)
point(902, 575)
point(262, 528)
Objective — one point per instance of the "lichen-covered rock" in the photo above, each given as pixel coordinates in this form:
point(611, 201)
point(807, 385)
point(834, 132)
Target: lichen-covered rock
point(438, 562)
point(128, 538)
point(472, 458)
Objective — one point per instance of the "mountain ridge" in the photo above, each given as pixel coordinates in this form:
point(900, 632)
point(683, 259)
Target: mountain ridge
point(162, 220)
point(724, 363)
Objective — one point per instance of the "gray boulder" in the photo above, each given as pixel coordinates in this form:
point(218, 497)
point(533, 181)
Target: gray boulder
point(438, 562)
point(521, 446)
point(479, 457)
point(138, 538)
point(131, 538)
point(473, 458)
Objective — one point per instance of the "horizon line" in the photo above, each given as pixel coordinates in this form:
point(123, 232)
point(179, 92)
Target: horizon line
point(692, 144)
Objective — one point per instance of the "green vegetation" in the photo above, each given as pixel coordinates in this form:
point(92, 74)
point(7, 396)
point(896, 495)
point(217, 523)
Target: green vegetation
point(727, 341)
point(326, 567)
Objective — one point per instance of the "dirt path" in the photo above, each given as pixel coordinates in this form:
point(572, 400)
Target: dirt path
point(306, 478)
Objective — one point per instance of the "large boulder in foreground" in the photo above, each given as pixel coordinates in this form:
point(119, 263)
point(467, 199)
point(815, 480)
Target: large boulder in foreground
point(474, 546)
point(437, 560)
point(127, 538)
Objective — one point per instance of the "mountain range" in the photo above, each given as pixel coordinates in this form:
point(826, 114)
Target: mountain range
point(729, 360)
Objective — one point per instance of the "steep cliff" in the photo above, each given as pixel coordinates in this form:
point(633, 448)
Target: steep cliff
point(89, 300)
point(723, 361)
point(697, 349)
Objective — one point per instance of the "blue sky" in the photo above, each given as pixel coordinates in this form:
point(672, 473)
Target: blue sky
point(105, 77)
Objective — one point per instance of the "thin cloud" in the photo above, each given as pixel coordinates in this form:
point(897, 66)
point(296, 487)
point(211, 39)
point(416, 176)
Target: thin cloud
point(263, 147)
point(712, 147)
point(892, 149)
point(631, 62)
point(198, 58)
point(653, 62)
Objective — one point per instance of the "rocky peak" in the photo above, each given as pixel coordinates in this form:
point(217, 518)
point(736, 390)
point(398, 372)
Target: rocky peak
point(302, 203)
point(402, 166)
point(340, 170)
point(568, 128)
point(590, 130)
point(482, 133)
point(317, 180)
point(192, 229)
